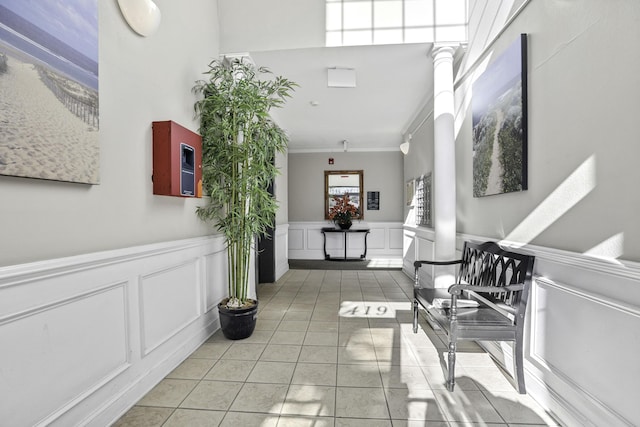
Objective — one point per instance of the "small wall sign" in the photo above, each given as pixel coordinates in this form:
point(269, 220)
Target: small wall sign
point(373, 200)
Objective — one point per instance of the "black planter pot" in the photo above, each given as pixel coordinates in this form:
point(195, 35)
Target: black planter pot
point(238, 323)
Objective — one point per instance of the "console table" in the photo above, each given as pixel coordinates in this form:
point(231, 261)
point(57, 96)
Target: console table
point(345, 233)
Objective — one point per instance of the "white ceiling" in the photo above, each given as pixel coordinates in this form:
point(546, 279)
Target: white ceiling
point(393, 82)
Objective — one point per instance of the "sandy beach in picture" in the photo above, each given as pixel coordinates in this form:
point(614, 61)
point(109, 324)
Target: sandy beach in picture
point(39, 136)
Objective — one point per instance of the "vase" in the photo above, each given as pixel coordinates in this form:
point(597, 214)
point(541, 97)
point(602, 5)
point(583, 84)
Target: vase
point(345, 225)
point(238, 323)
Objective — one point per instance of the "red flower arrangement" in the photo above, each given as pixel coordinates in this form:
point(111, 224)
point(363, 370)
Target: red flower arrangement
point(343, 210)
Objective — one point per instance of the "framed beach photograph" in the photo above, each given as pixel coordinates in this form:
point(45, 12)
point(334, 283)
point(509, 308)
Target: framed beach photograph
point(499, 108)
point(49, 90)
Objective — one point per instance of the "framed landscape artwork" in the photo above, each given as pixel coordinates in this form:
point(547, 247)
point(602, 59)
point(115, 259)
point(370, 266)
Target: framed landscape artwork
point(499, 107)
point(49, 90)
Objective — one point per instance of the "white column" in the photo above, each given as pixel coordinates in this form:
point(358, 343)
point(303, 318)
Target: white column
point(444, 174)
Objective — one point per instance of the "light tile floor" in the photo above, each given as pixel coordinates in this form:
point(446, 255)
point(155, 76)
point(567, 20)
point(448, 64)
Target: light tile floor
point(334, 348)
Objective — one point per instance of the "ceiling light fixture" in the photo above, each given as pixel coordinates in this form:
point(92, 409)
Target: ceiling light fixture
point(404, 147)
point(341, 77)
point(345, 143)
point(143, 16)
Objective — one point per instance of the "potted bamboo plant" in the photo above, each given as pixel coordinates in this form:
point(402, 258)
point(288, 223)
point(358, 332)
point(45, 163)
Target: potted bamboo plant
point(239, 144)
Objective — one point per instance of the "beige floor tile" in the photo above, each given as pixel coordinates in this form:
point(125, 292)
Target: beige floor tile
point(403, 377)
point(297, 315)
point(214, 395)
point(359, 337)
point(362, 422)
point(304, 421)
point(271, 315)
point(169, 393)
point(310, 400)
point(192, 369)
point(304, 306)
point(294, 325)
point(315, 374)
point(264, 398)
point(361, 403)
point(437, 379)
point(287, 337)
point(321, 338)
point(231, 370)
point(492, 379)
point(281, 353)
point(211, 350)
point(141, 416)
point(272, 372)
point(359, 375)
point(244, 351)
point(266, 325)
point(356, 354)
point(388, 336)
point(416, 423)
point(419, 404)
point(517, 408)
point(259, 337)
point(429, 356)
point(347, 324)
point(319, 354)
point(246, 419)
point(194, 418)
point(320, 326)
point(401, 356)
point(466, 406)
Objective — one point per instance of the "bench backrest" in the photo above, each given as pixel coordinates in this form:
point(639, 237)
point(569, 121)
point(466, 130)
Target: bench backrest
point(487, 264)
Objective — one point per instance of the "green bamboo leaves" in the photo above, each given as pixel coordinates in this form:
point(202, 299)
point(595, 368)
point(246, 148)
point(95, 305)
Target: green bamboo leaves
point(239, 144)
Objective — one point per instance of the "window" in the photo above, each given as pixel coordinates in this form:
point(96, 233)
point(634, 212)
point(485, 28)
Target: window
point(367, 22)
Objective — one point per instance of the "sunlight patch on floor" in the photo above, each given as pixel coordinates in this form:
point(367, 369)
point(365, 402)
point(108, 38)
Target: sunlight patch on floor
point(385, 263)
point(372, 309)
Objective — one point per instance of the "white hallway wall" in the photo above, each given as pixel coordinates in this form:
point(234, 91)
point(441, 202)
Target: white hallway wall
point(141, 80)
point(578, 216)
point(105, 289)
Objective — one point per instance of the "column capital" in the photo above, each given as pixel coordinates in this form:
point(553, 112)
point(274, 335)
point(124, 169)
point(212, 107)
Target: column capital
point(447, 49)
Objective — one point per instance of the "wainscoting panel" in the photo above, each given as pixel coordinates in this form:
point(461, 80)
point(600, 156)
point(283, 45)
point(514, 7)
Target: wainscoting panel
point(169, 301)
point(377, 239)
point(54, 354)
point(296, 239)
point(282, 249)
point(216, 271)
point(84, 338)
point(395, 238)
point(384, 241)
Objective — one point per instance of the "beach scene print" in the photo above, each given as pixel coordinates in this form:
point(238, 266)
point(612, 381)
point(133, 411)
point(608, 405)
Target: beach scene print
point(49, 116)
point(499, 125)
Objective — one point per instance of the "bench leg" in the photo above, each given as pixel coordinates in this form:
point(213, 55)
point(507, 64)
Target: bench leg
point(415, 316)
point(451, 381)
point(518, 363)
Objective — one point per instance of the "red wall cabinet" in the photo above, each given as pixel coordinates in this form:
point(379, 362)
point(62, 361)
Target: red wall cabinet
point(177, 160)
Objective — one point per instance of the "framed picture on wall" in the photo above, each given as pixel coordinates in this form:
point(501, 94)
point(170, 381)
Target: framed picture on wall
point(49, 90)
point(423, 201)
point(409, 191)
point(499, 106)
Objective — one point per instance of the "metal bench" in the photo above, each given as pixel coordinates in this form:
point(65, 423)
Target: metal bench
point(494, 279)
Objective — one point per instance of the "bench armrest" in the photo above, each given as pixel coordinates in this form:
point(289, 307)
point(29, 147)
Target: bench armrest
point(459, 287)
point(418, 264)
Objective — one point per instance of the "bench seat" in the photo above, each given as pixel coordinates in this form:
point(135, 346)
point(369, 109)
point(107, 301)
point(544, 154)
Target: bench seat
point(497, 282)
